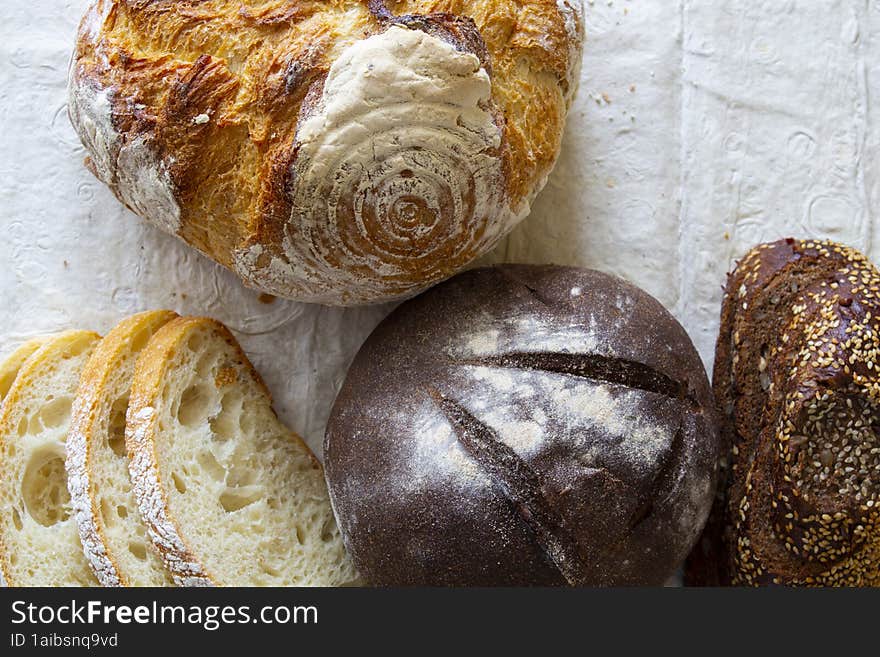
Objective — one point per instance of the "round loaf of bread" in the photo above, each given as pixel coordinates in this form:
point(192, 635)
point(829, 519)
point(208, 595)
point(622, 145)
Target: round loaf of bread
point(334, 151)
point(523, 425)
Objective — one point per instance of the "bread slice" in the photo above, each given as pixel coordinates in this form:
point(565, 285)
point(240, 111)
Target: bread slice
point(9, 368)
point(110, 528)
point(39, 542)
point(230, 495)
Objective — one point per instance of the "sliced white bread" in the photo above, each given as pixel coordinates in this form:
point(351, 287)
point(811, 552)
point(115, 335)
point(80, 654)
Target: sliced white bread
point(39, 541)
point(110, 527)
point(230, 496)
point(12, 364)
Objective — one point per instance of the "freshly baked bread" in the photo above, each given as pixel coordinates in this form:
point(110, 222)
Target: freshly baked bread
point(110, 528)
point(523, 425)
point(230, 496)
point(334, 151)
point(797, 380)
point(10, 367)
point(39, 542)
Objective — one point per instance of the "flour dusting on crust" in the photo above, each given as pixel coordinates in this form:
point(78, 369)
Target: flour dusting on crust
point(399, 167)
point(144, 184)
point(153, 506)
point(573, 13)
point(130, 167)
point(532, 335)
point(505, 400)
point(437, 444)
point(91, 114)
point(78, 484)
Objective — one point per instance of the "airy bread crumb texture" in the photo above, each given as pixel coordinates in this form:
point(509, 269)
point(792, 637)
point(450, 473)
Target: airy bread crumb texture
point(229, 494)
point(39, 542)
point(113, 535)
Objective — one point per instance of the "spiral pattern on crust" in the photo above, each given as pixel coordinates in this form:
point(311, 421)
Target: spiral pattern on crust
point(398, 180)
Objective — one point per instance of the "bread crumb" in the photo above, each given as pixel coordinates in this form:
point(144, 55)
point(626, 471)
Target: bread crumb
point(145, 414)
point(225, 376)
point(266, 298)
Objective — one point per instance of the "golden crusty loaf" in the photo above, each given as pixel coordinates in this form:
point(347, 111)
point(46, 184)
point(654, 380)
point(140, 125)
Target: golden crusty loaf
point(334, 151)
point(230, 496)
point(39, 542)
point(110, 528)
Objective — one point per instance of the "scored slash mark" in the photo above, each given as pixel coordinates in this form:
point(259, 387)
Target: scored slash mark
point(649, 499)
point(521, 485)
point(592, 366)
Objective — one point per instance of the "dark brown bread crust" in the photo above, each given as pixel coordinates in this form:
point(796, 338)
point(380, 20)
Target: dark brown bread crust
point(523, 425)
point(797, 386)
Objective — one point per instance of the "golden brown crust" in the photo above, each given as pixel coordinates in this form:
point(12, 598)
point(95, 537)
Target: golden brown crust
point(150, 378)
point(207, 97)
point(10, 367)
point(82, 440)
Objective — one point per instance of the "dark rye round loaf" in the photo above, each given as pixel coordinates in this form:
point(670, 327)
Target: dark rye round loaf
point(798, 387)
point(523, 425)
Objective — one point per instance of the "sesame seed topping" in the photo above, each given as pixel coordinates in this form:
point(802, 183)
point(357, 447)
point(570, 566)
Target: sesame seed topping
point(813, 308)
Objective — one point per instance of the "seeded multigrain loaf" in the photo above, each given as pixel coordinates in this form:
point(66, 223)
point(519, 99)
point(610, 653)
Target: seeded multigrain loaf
point(333, 151)
point(523, 425)
point(39, 542)
point(112, 533)
point(230, 496)
point(797, 383)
